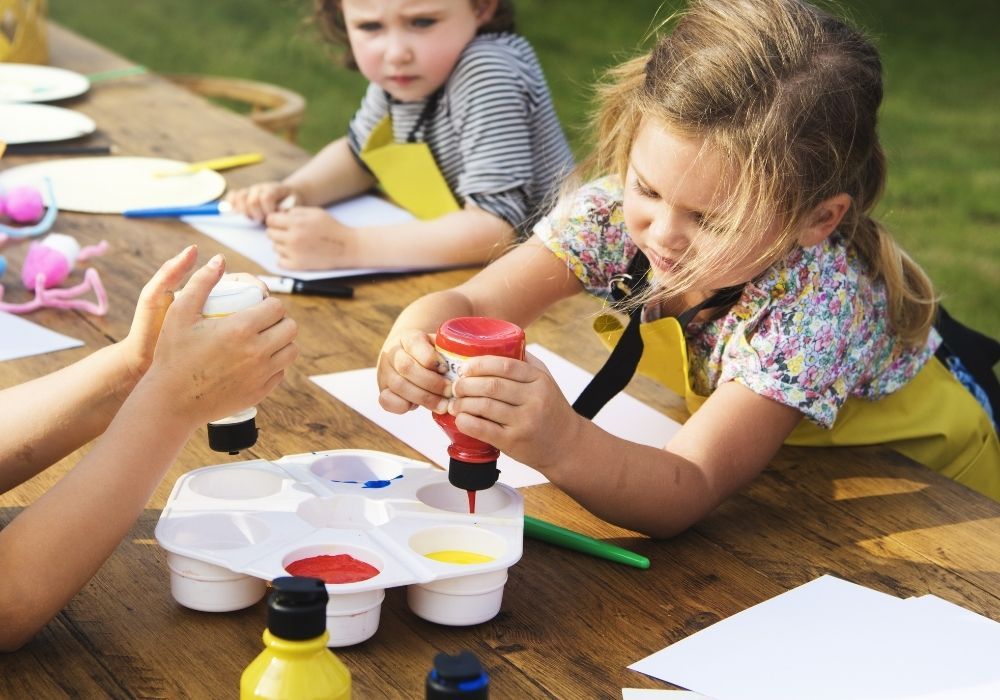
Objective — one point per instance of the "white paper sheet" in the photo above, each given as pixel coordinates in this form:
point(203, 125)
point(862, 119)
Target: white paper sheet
point(22, 338)
point(647, 694)
point(623, 416)
point(830, 639)
point(248, 238)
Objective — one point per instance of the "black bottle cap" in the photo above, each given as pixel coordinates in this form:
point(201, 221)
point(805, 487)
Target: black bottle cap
point(472, 476)
point(296, 608)
point(459, 676)
point(232, 437)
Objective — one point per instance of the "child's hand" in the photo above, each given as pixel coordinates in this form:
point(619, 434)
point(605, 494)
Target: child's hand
point(410, 374)
point(308, 238)
point(257, 201)
point(212, 367)
point(154, 300)
point(516, 407)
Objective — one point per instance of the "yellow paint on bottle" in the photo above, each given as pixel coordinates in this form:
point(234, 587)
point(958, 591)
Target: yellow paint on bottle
point(458, 556)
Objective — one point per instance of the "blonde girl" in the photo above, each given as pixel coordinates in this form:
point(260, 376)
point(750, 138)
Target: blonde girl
point(732, 223)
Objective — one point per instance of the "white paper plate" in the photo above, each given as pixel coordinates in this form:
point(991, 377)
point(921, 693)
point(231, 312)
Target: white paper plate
point(25, 82)
point(112, 184)
point(30, 123)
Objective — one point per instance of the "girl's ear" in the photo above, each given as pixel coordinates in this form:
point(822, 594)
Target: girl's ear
point(824, 219)
point(485, 9)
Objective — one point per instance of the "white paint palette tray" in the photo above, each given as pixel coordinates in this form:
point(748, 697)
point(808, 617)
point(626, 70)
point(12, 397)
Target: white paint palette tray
point(231, 528)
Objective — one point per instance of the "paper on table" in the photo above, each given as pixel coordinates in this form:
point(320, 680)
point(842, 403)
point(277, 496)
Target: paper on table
point(21, 338)
point(248, 238)
point(624, 416)
point(649, 694)
point(830, 639)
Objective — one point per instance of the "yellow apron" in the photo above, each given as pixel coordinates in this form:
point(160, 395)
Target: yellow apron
point(407, 172)
point(933, 420)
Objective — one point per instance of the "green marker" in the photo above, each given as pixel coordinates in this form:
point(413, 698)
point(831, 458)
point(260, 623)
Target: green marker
point(117, 73)
point(561, 537)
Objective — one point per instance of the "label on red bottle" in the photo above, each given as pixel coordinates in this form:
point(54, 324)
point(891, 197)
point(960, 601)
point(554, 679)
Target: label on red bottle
point(453, 362)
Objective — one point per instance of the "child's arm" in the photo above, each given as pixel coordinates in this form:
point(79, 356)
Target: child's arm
point(517, 407)
point(202, 369)
point(308, 238)
point(331, 175)
point(661, 492)
point(49, 417)
point(518, 287)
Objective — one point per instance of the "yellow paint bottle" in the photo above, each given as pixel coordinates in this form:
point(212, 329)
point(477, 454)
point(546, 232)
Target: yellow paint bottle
point(296, 663)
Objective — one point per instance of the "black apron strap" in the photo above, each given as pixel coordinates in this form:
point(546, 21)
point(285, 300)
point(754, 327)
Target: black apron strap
point(620, 366)
point(978, 353)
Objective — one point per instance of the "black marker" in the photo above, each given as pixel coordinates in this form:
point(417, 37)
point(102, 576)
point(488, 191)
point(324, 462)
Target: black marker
point(30, 149)
point(322, 288)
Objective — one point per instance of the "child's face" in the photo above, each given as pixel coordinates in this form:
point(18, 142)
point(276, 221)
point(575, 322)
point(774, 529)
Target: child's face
point(672, 196)
point(409, 47)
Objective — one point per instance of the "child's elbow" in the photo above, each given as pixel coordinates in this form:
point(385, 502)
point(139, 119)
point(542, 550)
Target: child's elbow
point(15, 634)
point(20, 621)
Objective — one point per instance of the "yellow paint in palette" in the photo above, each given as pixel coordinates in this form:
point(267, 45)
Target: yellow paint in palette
point(458, 556)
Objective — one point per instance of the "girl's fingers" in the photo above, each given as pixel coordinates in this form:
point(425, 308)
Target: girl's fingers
point(278, 220)
point(496, 366)
point(394, 403)
point(412, 393)
point(419, 347)
point(490, 409)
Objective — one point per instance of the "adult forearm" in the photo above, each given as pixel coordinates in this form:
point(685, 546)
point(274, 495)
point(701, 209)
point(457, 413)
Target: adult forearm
point(49, 417)
point(77, 524)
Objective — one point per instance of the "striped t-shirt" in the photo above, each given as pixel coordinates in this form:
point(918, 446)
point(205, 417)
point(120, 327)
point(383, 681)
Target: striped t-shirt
point(494, 132)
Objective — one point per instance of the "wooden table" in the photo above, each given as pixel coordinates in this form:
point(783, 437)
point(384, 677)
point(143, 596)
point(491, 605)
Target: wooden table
point(570, 624)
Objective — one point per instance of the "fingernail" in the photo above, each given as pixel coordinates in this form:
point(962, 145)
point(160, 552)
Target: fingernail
point(451, 407)
point(216, 261)
point(442, 406)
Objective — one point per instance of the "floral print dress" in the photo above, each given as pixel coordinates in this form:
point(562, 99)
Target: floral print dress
point(809, 332)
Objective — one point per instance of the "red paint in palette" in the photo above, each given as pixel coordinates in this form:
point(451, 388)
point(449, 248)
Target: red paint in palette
point(333, 568)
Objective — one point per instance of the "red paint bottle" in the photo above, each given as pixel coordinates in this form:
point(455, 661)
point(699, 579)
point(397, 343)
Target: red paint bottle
point(473, 464)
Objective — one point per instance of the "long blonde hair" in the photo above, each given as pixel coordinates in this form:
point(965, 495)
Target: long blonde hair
point(788, 96)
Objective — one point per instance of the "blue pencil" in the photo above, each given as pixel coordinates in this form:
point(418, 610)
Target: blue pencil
point(210, 209)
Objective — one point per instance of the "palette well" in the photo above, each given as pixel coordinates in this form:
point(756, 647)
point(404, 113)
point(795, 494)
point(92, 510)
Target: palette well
point(372, 519)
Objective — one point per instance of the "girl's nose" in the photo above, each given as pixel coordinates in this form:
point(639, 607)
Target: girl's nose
point(397, 50)
point(667, 232)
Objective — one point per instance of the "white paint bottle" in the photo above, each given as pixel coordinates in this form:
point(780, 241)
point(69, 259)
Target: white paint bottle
point(238, 431)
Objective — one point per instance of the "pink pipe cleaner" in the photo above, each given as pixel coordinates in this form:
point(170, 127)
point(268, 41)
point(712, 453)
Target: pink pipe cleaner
point(64, 298)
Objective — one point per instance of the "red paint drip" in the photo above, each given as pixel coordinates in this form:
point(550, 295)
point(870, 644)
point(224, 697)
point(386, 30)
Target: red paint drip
point(333, 568)
point(472, 501)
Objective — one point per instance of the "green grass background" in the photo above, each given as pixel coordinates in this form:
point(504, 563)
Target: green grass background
point(940, 121)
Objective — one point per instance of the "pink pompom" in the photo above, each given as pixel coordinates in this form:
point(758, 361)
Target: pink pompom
point(3, 206)
point(24, 204)
point(48, 262)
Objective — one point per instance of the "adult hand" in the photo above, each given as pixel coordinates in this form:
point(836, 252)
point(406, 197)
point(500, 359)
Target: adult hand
point(410, 374)
point(308, 238)
point(212, 367)
point(257, 201)
point(515, 406)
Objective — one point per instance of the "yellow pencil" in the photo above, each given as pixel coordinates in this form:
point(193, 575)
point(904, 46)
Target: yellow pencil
point(223, 163)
